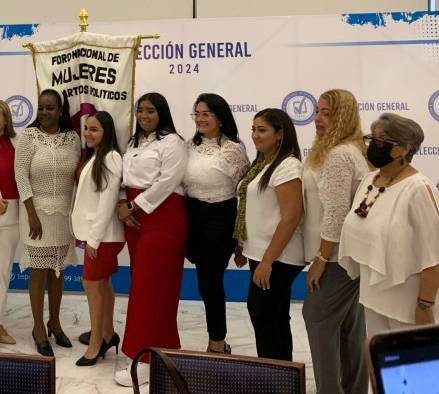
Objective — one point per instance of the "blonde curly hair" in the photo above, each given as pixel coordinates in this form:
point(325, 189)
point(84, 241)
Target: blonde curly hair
point(344, 126)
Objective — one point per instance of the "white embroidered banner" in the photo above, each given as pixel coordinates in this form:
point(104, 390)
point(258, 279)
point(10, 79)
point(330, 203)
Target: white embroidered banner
point(95, 72)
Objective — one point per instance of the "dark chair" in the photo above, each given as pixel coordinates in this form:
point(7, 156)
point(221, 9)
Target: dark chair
point(179, 371)
point(26, 374)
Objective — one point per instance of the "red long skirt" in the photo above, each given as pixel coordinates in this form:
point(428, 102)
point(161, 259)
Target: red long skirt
point(156, 256)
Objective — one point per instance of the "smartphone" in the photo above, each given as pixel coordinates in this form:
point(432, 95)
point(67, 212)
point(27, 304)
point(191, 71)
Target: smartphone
point(405, 362)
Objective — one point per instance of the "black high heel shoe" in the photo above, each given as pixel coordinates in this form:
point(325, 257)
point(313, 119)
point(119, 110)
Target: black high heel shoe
point(44, 347)
point(84, 338)
point(87, 362)
point(114, 341)
point(60, 338)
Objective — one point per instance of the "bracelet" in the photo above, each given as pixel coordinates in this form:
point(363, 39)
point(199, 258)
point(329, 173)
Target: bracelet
point(424, 306)
point(321, 258)
point(425, 301)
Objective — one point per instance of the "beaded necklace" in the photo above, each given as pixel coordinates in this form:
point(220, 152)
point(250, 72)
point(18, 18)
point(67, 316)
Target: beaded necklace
point(364, 208)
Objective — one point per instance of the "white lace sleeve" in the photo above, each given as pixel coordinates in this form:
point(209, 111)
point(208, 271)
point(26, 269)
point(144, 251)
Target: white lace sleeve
point(335, 189)
point(23, 158)
point(234, 160)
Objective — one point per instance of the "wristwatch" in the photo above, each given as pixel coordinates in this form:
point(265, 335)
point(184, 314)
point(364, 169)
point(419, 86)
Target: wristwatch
point(130, 206)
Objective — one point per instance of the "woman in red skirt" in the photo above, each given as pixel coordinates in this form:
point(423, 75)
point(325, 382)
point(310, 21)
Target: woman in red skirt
point(156, 228)
point(95, 221)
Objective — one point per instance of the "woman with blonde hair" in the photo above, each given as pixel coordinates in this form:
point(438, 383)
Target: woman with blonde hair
point(333, 316)
point(9, 234)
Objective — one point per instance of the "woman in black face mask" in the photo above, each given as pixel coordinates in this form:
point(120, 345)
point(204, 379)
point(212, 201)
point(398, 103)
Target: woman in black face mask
point(390, 237)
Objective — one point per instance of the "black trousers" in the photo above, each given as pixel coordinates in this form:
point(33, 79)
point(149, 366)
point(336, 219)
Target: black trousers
point(210, 246)
point(270, 311)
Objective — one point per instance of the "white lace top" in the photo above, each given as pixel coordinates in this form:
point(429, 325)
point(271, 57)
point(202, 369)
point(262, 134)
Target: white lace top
point(44, 170)
point(390, 247)
point(328, 194)
point(214, 170)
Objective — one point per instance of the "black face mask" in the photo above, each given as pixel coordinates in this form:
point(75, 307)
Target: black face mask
point(378, 153)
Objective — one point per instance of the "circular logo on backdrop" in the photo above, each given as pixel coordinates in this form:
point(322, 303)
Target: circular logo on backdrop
point(301, 107)
point(433, 105)
point(21, 110)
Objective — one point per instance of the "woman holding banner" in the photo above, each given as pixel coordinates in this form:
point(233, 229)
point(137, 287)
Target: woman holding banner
point(46, 158)
point(216, 163)
point(155, 220)
point(99, 179)
point(9, 234)
point(333, 317)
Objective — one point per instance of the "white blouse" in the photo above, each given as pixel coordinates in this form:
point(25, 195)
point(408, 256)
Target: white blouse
point(157, 166)
point(262, 215)
point(328, 194)
point(392, 245)
point(214, 170)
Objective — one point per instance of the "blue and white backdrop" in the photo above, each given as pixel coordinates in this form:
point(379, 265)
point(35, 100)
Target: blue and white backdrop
point(389, 61)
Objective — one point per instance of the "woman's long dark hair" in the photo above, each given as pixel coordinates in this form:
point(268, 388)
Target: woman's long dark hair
point(289, 146)
point(221, 109)
point(65, 123)
point(166, 124)
point(108, 143)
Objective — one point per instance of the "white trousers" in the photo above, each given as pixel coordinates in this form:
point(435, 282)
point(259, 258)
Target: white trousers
point(376, 322)
point(9, 236)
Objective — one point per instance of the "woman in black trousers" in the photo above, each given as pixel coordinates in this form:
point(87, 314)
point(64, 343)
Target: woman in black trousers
point(216, 162)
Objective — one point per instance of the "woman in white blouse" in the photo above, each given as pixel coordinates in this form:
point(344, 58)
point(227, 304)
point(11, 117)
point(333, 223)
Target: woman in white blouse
point(270, 211)
point(216, 163)
point(390, 237)
point(95, 222)
point(333, 316)
point(156, 226)
point(45, 162)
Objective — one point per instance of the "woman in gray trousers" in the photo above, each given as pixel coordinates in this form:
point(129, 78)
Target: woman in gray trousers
point(333, 316)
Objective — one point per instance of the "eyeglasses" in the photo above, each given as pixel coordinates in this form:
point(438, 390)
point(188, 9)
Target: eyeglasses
point(203, 115)
point(379, 141)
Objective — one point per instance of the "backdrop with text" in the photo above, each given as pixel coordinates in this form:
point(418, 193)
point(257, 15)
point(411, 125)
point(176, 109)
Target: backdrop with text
point(389, 61)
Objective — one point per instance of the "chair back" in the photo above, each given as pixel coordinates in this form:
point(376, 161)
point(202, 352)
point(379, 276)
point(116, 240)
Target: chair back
point(200, 373)
point(27, 374)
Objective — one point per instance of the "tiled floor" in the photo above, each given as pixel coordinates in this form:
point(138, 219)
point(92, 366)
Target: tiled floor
point(99, 378)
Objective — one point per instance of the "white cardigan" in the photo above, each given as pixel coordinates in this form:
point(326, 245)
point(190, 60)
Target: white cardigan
point(94, 217)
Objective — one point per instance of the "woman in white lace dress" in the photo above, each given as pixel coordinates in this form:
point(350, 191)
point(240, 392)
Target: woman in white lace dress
point(46, 158)
point(216, 163)
point(333, 316)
